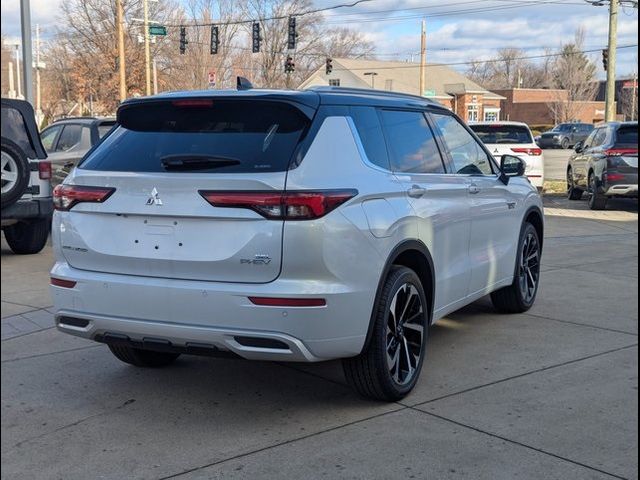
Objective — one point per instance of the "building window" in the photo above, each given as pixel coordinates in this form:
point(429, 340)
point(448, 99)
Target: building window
point(334, 82)
point(491, 114)
point(388, 84)
point(472, 113)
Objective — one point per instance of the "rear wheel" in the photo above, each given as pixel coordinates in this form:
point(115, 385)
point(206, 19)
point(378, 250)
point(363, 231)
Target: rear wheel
point(520, 295)
point(26, 238)
point(389, 366)
point(573, 192)
point(142, 358)
point(597, 201)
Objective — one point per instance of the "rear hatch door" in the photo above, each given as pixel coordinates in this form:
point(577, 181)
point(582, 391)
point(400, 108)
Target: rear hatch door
point(161, 155)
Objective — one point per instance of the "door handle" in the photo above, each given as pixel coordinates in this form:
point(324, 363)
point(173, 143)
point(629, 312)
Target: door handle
point(473, 189)
point(416, 192)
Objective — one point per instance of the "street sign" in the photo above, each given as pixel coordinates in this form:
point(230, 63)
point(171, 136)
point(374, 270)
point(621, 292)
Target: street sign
point(157, 30)
point(429, 93)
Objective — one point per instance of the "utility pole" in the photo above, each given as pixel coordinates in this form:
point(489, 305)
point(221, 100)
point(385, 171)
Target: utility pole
point(27, 53)
point(633, 95)
point(423, 56)
point(147, 51)
point(18, 79)
point(121, 60)
point(610, 95)
point(38, 91)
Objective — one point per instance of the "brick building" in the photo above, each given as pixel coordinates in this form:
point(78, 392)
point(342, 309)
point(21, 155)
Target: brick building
point(448, 87)
point(532, 106)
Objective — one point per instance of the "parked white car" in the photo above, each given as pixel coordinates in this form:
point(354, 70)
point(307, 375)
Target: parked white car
point(290, 226)
point(513, 138)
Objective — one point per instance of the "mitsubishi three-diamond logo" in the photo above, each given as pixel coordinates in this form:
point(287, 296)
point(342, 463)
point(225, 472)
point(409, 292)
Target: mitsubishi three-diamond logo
point(154, 199)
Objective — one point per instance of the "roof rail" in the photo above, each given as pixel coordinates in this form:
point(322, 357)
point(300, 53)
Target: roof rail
point(367, 91)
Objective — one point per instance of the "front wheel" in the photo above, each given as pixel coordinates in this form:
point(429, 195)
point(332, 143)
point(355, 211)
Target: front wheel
point(521, 294)
point(390, 364)
point(565, 143)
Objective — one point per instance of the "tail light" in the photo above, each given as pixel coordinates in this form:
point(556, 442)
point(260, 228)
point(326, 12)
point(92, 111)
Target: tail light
point(616, 152)
point(614, 177)
point(61, 282)
point(193, 103)
point(44, 170)
point(534, 152)
point(282, 205)
point(65, 197)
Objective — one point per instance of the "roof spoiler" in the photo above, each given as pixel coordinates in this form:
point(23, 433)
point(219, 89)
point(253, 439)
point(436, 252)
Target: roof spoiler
point(243, 84)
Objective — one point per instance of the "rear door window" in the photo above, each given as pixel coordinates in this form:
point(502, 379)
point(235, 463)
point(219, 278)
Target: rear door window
point(69, 138)
point(48, 137)
point(411, 142)
point(222, 136)
point(105, 128)
point(506, 134)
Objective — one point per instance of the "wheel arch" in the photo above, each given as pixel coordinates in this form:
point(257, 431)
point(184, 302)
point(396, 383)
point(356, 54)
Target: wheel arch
point(535, 217)
point(415, 255)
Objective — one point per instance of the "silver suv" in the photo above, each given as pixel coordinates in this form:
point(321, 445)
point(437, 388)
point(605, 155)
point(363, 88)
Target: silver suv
point(26, 180)
point(290, 226)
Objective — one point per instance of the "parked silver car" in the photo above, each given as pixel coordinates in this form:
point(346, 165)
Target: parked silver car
point(290, 226)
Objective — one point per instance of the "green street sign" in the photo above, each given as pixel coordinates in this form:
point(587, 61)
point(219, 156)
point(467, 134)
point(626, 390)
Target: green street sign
point(429, 93)
point(157, 30)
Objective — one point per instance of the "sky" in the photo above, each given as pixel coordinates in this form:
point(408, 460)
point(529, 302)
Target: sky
point(457, 30)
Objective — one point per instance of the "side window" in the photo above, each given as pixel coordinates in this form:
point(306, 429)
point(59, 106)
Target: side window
point(104, 128)
point(468, 156)
point(368, 125)
point(412, 144)
point(48, 137)
point(600, 137)
point(588, 143)
point(69, 138)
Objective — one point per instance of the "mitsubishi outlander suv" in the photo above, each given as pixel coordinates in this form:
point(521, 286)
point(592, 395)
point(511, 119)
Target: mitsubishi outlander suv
point(302, 226)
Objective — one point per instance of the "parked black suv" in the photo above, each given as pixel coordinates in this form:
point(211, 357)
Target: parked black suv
point(605, 165)
point(27, 204)
point(565, 135)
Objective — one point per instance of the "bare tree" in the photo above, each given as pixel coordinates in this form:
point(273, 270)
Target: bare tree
point(573, 74)
point(510, 69)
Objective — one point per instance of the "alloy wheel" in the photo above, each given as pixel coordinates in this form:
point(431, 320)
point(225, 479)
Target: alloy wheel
point(529, 267)
point(404, 334)
point(9, 172)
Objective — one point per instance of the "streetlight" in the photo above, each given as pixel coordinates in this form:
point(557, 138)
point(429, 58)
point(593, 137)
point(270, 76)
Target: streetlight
point(373, 77)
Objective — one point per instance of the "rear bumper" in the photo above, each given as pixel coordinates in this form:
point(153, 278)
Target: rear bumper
point(622, 190)
point(210, 315)
point(24, 209)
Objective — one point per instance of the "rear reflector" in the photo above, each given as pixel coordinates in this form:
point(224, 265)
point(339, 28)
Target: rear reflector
point(282, 205)
point(534, 152)
point(60, 282)
point(44, 170)
point(288, 302)
point(66, 196)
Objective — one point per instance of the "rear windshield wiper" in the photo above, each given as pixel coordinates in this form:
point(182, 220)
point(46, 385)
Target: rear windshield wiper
point(196, 162)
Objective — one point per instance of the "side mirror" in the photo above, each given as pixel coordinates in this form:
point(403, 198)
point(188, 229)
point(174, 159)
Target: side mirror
point(579, 147)
point(511, 166)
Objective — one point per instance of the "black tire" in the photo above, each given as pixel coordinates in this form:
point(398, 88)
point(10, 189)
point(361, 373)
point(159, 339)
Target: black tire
point(518, 297)
point(370, 373)
point(143, 358)
point(28, 237)
point(573, 192)
point(14, 161)
point(565, 143)
point(597, 201)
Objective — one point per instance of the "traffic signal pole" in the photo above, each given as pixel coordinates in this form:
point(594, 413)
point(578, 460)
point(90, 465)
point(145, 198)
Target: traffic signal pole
point(147, 49)
point(610, 95)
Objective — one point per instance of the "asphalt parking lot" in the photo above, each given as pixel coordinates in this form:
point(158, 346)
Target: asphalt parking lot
point(555, 163)
point(549, 394)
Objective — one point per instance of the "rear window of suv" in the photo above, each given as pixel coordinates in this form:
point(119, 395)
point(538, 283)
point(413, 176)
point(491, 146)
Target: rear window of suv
point(222, 136)
point(507, 134)
point(628, 136)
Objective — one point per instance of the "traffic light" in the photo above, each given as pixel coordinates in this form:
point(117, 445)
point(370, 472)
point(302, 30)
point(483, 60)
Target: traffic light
point(329, 66)
point(256, 37)
point(289, 66)
point(215, 39)
point(183, 40)
point(291, 40)
point(605, 59)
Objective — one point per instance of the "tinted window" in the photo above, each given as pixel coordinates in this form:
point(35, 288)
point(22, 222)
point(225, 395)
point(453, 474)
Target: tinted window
point(368, 125)
point(411, 142)
point(563, 127)
point(231, 136)
point(586, 128)
point(627, 135)
point(468, 156)
point(589, 141)
point(48, 137)
point(69, 138)
point(14, 128)
point(503, 133)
